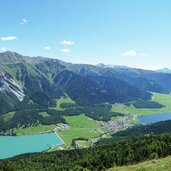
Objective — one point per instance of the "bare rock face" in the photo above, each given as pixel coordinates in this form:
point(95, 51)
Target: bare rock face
point(8, 86)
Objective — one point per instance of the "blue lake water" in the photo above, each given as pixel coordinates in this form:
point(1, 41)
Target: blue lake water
point(15, 145)
point(148, 119)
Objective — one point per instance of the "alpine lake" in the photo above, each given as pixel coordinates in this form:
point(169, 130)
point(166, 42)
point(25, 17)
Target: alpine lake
point(14, 145)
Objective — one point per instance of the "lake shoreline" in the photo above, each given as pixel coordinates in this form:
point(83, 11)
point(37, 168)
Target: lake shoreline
point(63, 143)
point(16, 135)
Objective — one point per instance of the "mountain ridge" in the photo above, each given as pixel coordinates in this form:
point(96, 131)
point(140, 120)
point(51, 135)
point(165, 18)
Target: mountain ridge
point(44, 79)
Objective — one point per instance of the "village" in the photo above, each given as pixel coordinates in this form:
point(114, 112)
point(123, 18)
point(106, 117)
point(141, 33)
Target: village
point(123, 122)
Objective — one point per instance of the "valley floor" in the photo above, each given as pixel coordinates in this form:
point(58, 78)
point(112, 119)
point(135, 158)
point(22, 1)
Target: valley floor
point(82, 126)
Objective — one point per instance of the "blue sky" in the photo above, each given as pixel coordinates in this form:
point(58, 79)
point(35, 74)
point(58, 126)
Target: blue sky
point(119, 32)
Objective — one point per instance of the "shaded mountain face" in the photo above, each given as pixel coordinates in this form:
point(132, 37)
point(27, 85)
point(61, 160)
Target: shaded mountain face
point(141, 79)
point(41, 80)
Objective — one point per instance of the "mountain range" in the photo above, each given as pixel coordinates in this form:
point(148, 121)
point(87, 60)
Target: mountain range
point(40, 80)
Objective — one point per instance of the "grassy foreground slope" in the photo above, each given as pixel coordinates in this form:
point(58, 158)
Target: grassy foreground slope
point(152, 165)
point(164, 99)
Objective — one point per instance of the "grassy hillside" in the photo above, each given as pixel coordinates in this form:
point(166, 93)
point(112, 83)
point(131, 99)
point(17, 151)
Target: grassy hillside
point(63, 100)
point(152, 165)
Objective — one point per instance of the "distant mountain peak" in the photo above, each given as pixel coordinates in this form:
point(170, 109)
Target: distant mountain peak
point(164, 70)
point(10, 57)
point(110, 66)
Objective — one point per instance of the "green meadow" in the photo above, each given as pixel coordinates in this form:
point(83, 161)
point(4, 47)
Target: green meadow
point(63, 99)
point(39, 129)
point(164, 99)
point(80, 127)
point(6, 117)
point(44, 114)
point(82, 143)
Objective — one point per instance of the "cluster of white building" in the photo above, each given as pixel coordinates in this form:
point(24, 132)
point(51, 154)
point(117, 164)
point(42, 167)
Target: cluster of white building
point(62, 127)
point(121, 123)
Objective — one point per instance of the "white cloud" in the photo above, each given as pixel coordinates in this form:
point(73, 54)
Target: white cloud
point(67, 42)
point(47, 48)
point(153, 67)
point(65, 50)
point(129, 53)
point(3, 49)
point(8, 38)
point(24, 21)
